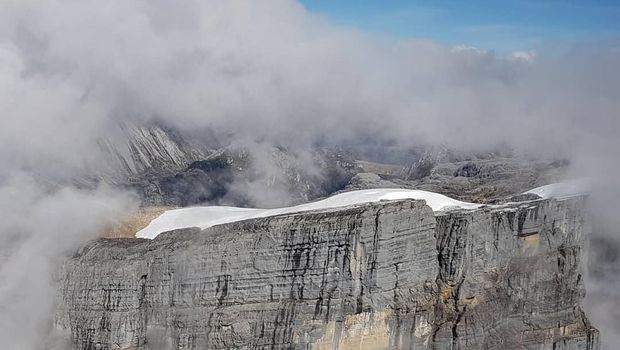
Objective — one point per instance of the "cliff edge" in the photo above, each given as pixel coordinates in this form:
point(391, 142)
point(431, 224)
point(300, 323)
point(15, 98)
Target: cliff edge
point(386, 275)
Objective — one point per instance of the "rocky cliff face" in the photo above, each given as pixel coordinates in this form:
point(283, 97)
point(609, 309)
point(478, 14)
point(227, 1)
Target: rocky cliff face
point(174, 167)
point(511, 278)
point(136, 152)
point(373, 276)
point(490, 180)
point(234, 177)
point(171, 167)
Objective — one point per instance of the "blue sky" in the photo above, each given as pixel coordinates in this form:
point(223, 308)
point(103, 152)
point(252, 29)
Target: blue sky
point(500, 25)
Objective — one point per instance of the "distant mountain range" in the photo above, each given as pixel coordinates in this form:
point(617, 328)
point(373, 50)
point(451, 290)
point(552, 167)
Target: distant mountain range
point(170, 167)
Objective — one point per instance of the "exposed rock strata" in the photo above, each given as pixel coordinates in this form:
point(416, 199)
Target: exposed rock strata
point(173, 167)
point(490, 180)
point(373, 276)
point(511, 278)
point(233, 177)
point(147, 151)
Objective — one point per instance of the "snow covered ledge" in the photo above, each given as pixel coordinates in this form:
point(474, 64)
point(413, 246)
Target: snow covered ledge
point(562, 190)
point(208, 216)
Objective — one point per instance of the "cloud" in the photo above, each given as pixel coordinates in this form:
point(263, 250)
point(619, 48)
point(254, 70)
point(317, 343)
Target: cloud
point(523, 56)
point(272, 70)
point(38, 226)
point(268, 72)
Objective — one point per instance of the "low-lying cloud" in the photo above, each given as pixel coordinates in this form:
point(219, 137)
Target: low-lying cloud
point(39, 224)
point(269, 72)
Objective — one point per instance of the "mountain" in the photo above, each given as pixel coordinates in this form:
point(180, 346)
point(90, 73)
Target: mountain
point(140, 151)
point(173, 167)
point(176, 168)
point(389, 274)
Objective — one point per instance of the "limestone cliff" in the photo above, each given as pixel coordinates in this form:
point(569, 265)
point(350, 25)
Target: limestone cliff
point(389, 275)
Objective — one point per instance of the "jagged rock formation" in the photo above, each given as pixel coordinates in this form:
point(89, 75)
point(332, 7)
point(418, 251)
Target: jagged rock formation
point(170, 167)
point(372, 276)
point(145, 151)
point(490, 180)
point(233, 177)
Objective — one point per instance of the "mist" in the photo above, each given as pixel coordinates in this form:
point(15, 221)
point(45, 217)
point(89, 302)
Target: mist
point(39, 226)
point(270, 73)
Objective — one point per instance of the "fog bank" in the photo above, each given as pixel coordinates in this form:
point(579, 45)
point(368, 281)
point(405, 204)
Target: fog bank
point(270, 73)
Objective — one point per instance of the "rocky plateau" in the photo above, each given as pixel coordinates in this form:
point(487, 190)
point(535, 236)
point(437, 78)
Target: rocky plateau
point(388, 275)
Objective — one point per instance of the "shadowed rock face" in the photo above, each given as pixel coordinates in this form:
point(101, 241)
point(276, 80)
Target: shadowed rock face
point(511, 278)
point(374, 276)
point(492, 180)
point(172, 167)
point(234, 177)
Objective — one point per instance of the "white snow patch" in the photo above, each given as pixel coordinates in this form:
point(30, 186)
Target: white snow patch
point(561, 190)
point(204, 217)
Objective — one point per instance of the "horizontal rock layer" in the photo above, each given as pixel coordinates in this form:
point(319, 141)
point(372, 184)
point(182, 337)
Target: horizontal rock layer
point(511, 278)
point(373, 276)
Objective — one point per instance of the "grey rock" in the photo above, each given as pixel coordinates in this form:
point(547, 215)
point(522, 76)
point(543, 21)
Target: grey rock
point(512, 278)
point(492, 179)
point(236, 177)
point(489, 180)
point(369, 180)
point(468, 170)
point(172, 167)
point(166, 167)
point(374, 276)
point(524, 197)
point(420, 169)
point(139, 151)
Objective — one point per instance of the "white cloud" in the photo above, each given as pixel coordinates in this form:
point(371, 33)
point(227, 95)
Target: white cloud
point(271, 71)
point(528, 56)
point(469, 49)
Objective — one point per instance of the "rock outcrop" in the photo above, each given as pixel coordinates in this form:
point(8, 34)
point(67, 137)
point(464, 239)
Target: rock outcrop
point(233, 177)
point(511, 278)
point(136, 152)
point(389, 275)
point(166, 166)
point(492, 180)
